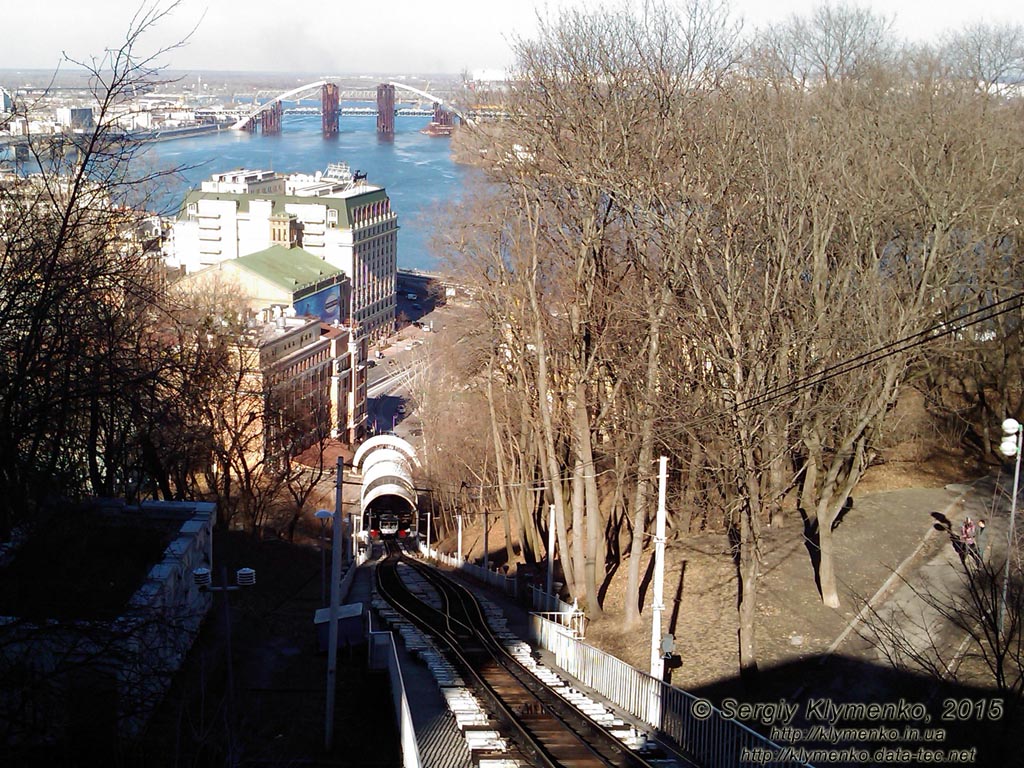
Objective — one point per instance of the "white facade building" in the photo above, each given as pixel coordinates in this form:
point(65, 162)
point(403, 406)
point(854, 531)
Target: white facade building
point(348, 224)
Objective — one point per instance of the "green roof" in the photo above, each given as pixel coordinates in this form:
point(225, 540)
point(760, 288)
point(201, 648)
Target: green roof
point(343, 205)
point(288, 268)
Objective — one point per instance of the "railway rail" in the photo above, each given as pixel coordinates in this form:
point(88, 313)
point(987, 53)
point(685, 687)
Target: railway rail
point(537, 726)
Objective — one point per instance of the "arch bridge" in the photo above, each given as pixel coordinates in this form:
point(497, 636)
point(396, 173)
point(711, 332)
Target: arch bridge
point(267, 116)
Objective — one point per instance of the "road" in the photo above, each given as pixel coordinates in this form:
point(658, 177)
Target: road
point(389, 405)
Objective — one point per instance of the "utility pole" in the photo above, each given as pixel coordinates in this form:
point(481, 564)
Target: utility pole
point(487, 552)
point(657, 662)
point(551, 548)
point(332, 649)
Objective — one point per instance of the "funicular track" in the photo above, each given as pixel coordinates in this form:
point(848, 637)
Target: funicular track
point(544, 728)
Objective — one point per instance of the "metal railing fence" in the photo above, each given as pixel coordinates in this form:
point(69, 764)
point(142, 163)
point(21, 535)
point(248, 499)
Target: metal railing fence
point(494, 578)
point(542, 602)
point(698, 728)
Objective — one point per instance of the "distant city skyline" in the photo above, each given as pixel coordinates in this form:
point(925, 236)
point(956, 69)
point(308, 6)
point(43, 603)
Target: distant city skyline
point(400, 36)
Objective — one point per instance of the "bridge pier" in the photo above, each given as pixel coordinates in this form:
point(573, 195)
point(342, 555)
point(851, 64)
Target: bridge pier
point(386, 110)
point(270, 120)
point(329, 108)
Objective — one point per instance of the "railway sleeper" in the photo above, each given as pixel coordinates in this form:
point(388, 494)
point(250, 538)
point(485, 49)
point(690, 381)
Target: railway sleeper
point(464, 720)
point(461, 700)
point(484, 737)
point(498, 762)
point(481, 751)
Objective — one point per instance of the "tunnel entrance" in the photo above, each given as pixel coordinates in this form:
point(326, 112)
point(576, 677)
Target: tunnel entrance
point(387, 498)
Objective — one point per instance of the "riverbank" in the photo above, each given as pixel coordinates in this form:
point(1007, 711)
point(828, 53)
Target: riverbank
point(179, 132)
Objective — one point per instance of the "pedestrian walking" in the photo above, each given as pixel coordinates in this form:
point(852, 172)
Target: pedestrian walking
point(979, 541)
point(969, 542)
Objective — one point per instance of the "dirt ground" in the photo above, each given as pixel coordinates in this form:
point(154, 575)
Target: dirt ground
point(891, 514)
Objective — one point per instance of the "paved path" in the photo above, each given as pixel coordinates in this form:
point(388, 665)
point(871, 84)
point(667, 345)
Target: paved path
point(913, 620)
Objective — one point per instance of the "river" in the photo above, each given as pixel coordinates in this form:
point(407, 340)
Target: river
point(417, 170)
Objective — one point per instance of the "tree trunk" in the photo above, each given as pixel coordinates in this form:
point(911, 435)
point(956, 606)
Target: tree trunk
point(748, 572)
point(656, 313)
point(550, 450)
point(826, 566)
point(499, 465)
point(578, 530)
point(593, 521)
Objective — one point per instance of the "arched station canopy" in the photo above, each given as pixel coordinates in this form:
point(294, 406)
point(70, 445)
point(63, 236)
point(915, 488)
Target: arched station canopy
point(384, 441)
point(391, 489)
point(385, 464)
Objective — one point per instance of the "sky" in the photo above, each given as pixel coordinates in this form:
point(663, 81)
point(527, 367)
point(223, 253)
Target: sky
point(386, 36)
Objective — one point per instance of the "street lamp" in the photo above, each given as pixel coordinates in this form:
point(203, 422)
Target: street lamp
point(1010, 446)
point(323, 515)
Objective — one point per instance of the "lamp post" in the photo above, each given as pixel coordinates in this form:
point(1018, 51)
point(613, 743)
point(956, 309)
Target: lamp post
point(1013, 435)
point(332, 648)
point(244, 577)
point(323, 515)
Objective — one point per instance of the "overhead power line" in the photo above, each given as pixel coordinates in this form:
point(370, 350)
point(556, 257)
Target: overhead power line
point(865, 359)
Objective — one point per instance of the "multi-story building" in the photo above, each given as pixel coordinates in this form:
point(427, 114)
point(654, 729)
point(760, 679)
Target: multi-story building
point(76, 118)
point(311, 372)
point(300, 349)
point(246, 182)
point(335, 216)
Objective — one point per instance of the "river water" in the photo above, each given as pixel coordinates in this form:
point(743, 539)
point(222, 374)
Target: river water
point(417, 170)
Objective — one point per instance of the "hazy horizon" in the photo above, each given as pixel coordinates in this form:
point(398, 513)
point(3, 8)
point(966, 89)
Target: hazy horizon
point(409, 37)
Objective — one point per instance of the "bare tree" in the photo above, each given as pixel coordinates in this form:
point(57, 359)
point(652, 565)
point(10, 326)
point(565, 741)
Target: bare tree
point(988, 56)
point(736, 271)
point(69, 268)
point(835, 42)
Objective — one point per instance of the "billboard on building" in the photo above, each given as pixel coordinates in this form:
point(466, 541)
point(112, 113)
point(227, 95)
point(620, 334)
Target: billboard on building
point(325, 304)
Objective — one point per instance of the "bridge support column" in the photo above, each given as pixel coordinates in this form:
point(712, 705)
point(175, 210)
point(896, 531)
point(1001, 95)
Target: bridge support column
point(329, 108)
point(441, 115)
point(386, 110)
point(271, 119)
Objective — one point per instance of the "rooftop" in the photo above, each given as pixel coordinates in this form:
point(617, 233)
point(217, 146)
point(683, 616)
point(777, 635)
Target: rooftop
point(84, 563)
point(288, 268)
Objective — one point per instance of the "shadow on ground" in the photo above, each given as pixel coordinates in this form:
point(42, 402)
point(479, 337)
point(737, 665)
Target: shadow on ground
point(915, 711)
